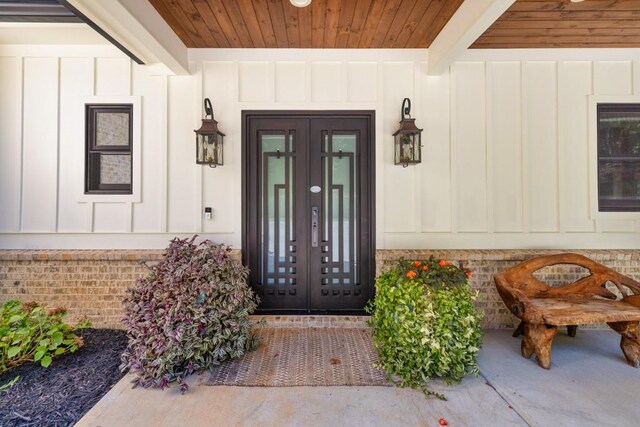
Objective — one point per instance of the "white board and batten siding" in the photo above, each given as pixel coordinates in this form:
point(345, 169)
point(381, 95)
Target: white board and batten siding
point(505, 143)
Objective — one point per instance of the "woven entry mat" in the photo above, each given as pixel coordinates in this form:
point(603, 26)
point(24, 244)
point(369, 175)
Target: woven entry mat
point(304, 357)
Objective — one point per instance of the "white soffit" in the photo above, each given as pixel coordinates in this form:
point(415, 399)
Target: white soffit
point(138, 27)
point(472, 18)
point(47, 33)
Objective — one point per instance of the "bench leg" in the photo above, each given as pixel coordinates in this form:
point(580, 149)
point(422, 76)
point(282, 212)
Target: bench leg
point(630, 342)
point(538, 339)
point(519, 330)
point(571, 330)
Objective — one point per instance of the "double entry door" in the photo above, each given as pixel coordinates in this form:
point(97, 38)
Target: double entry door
point(308, 209)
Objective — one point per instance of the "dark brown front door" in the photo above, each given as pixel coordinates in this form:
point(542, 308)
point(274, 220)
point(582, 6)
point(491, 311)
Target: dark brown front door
point(308, 209)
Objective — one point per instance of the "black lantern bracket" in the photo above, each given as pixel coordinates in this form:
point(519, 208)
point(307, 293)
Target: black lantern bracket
point(406, 109)
point(208, 109)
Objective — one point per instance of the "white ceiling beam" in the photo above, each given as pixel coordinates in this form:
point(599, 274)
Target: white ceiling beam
point(472, 18)
point(139, 28)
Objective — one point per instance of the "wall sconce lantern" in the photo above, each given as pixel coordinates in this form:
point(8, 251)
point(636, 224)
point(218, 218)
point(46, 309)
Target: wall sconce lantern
point(407, 138)
point(209, 140)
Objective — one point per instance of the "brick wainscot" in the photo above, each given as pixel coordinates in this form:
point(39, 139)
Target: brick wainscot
point(93, 283)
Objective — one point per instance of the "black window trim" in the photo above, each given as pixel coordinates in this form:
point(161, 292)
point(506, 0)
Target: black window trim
point(93, 151)
point(612, 204)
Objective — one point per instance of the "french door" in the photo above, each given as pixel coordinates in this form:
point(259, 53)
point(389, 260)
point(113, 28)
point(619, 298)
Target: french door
point(308, 209)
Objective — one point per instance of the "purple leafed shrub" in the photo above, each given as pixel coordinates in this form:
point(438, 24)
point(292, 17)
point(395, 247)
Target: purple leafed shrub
point(190, 312)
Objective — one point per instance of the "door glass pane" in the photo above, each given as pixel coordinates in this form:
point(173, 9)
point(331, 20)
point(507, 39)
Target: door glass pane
point(340, 209)
point(277, 228)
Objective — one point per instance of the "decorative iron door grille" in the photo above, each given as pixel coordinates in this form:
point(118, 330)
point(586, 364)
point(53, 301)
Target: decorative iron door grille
point(308, 209)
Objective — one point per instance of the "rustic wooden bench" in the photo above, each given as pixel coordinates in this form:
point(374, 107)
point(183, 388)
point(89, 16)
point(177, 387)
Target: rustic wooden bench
point(542, 308)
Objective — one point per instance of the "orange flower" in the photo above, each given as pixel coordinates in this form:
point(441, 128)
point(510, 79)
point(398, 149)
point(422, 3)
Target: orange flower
point(416, 263)
point(411, 274)
point(469, 274)
point(442, 263)
point(425, 267)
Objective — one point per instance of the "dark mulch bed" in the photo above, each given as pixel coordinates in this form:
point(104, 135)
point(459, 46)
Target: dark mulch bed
point(61, 394)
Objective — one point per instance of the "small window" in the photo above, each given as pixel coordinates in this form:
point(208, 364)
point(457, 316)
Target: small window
point(109, 157)
point(619, 157)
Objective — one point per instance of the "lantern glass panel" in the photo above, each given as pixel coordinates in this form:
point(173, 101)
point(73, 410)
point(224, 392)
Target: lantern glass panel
point(407, 148)
point(200, 148)
point(416, 148)
point(218, 150)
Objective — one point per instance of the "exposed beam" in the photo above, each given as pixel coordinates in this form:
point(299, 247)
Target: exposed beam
point(465, 26)
point(139, 28)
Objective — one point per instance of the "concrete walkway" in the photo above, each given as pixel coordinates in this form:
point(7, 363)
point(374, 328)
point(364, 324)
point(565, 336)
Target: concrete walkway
point(589, 384)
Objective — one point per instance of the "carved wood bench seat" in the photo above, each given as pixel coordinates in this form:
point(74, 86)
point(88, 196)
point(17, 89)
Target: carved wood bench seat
point(542, 308)
point(577, 310)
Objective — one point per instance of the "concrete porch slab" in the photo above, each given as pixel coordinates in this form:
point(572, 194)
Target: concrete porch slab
point(589, 384)
point(475, 403)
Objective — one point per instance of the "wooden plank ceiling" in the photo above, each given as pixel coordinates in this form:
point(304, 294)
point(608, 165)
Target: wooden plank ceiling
point(323, 24)
point(548, 24)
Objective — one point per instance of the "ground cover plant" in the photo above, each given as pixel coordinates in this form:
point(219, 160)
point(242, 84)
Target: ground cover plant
point(190, 312)
point(30, 332)
point(425, 323)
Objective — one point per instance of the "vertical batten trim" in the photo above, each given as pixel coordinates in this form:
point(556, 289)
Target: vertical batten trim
point(631, 71)
point(588, 158)
point(94, 89)
point(380, 159)
point(198, 95)
point(93, 216)
point(56, 219)
point(164, 163)
point(488, 147)
point(130, 78)
point(557, 118)
point(418, 169)
point(94, 86)
point(635, 78)
point(20, 129)
point(453, 134)
point(129, 223)
point(272, 95)
point(560, 72)
point(307, 82)
point(345, 82)
point(635, 90)
point(524, 147)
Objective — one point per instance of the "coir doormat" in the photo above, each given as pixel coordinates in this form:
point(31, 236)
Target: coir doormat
point(304, 357)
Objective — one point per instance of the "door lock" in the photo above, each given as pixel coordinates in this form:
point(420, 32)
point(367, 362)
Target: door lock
point(314, 227)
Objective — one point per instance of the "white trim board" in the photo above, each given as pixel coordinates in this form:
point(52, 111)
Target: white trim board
point(559, 241)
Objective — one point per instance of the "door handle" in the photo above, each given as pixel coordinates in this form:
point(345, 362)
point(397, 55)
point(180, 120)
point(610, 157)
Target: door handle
point(314, 227)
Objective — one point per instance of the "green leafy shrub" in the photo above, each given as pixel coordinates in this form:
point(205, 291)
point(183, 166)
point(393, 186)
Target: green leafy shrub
point(190, 312)
point(31, 333)
point(425, 323)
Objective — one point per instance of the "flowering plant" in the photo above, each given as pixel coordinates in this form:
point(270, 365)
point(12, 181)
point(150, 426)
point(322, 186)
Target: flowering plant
point(425, 323)
point(434, 273)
